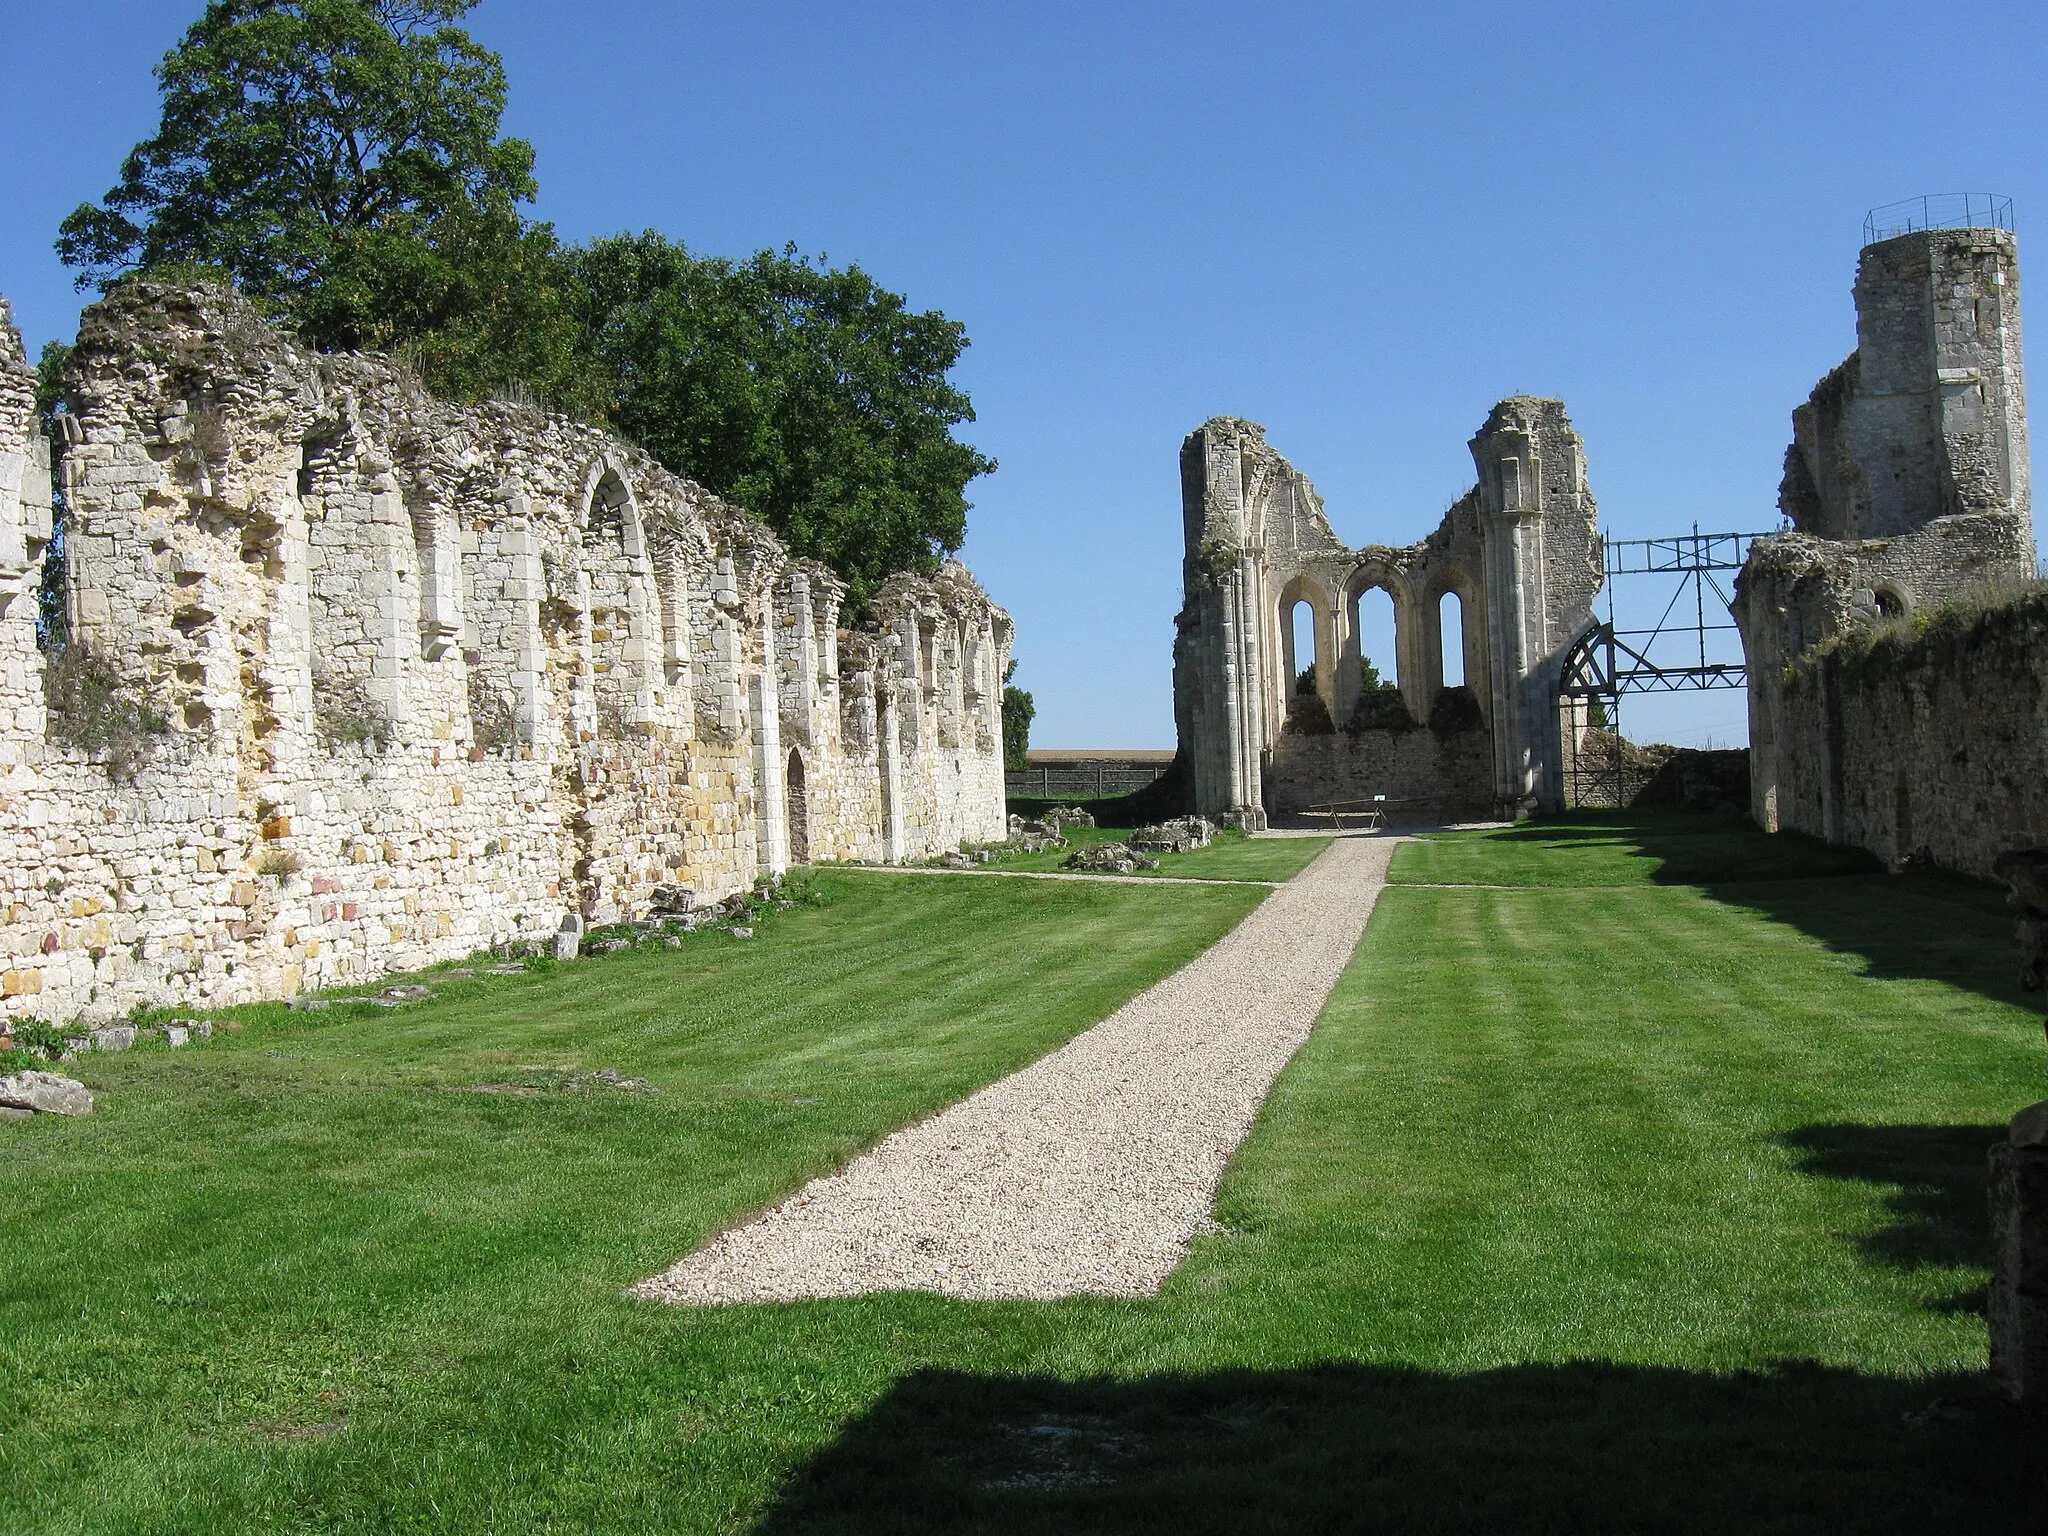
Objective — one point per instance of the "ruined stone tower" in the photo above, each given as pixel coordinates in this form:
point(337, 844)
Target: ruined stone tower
point(1906, 485)
point(1520, 551)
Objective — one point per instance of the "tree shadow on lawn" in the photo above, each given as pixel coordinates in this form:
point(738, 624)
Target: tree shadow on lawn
point(1578, 1447)
point(1938, 1215)
point(1929, 925)
point(1696, 847)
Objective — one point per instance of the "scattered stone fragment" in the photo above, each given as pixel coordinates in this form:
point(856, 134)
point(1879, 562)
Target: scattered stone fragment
point(176, 1035)
point(742, 933)
point(1108, 859)
point(674, 900)
point(45, 1093)
point(113, 1037)
point(609, 1077)
point(408, 994)
point(1180, 835)
point(609, 946)
point(569, 937)
point(309, 1004)
point(505, 970)
point(460, 973)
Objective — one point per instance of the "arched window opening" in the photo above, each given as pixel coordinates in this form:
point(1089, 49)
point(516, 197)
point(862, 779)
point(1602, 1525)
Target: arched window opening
point(1889, 604)
point(799, 809)
point(618, 642)
point(1451, 623)
point(1378, 665)
point(1301, 648)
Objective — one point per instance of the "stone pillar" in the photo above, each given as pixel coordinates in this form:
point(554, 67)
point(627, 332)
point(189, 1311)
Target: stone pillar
point(890, 748)
point(2018, 1307)
point(726, 645)
point(675, 606)
point(768, 763)
point(24, 533)
point(1502, 502)
point(1248, 803)
point(387, 612)
point(525, 586)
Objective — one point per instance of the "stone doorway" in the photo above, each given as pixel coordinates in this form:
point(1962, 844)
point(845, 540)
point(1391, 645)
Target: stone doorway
point(799, 808)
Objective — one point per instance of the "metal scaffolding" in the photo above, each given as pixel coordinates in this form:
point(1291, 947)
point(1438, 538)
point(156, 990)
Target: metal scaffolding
point(1693, 644)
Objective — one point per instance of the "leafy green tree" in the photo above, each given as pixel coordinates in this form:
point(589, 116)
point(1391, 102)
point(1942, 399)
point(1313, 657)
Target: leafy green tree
point(810, 395)
point(337, 159)
point(53, 630)
point(1018, 713)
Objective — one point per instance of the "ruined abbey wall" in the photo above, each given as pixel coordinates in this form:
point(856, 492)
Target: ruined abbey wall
point(1907, 487)
point(1924, 747)
point(378, 681)
point(1522, 552)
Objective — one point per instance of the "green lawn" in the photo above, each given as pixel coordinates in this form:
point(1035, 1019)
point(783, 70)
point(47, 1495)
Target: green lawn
point(1596, 1204)
point(1230, 856)
point(1654, 847)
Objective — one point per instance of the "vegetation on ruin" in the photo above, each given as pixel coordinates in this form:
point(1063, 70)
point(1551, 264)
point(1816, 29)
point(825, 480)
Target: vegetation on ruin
point(1907, 642)
point(344, 714)
point(1645, 1194)
point(95, 709)
point(340, 162)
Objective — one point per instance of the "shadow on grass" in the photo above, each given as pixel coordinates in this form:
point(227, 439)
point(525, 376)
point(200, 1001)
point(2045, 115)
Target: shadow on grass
point(1937, 1214)
point(1931, 925)
point(1698, 848)
point(1578, 1447)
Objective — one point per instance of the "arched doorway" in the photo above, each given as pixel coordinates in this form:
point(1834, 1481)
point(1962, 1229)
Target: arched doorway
point(799, 804)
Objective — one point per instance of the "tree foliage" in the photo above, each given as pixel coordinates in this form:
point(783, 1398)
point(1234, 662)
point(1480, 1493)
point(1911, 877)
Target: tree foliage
point(53, 629)
point(812, 396)
point(337, 158)
point(1018, 712)
point(340, 162)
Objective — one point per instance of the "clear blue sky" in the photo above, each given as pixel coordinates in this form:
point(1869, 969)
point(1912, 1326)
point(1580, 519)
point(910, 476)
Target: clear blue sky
point(1359, 224)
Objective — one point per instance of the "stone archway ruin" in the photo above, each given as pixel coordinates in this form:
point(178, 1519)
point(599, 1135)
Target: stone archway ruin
point(1521, 551)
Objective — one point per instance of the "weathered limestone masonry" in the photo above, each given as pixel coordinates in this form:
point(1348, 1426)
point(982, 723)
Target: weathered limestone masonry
point(432, 677)
point(1906, 484)
point(1521, 551)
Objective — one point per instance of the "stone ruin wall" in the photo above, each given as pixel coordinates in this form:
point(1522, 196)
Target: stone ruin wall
point(1907, 488)
point(1521, 550)
point(431, 678)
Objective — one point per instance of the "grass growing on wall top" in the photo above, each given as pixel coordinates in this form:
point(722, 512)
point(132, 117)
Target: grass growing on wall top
point(1985, 614)
point(1593, 1204)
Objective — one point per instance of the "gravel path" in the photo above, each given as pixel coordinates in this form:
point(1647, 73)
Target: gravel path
point(1088, 1172)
